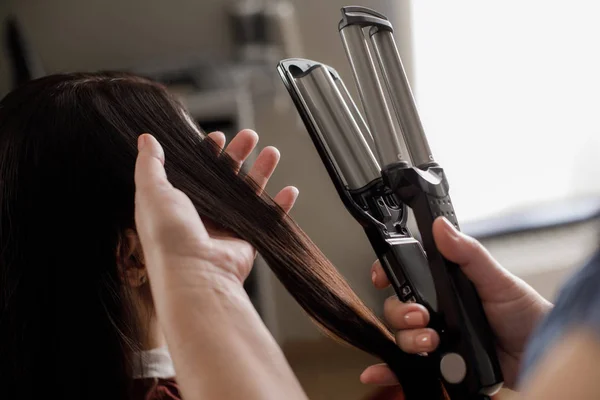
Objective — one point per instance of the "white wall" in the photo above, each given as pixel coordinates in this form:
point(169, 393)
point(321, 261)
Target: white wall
point(91, 34)
point(95, 34)
point(506, 87)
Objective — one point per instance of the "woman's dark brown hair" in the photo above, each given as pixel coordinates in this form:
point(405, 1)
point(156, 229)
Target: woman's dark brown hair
point(67, 155)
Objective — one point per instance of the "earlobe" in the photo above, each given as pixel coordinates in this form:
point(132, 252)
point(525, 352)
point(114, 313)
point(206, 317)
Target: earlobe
point(134, 247)
point(135, 276)
point(130, 260)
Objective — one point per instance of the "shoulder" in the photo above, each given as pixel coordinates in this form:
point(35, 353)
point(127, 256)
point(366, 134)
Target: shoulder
point(577, 306)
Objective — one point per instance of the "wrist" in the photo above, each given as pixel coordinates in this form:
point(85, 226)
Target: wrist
point(211, 325)
point(188, 292)
point(205, 309)
point(191, 276)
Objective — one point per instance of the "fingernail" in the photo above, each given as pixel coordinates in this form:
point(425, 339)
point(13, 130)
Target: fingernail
point(414, 318)
point(276, 150)
point(218, 133)
point(363, 377)
point(450, 229)
point(141, 142)
point(373, 276)
point(423, 341)
point(154, 148)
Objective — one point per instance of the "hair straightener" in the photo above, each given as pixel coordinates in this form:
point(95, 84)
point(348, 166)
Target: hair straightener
point(377, 181)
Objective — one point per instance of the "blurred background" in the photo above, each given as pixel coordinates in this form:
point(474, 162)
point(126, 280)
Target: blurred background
point(508, 92)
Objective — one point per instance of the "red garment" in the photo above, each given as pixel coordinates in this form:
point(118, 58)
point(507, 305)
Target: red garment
point(387, 393)
point(156, 389)
point(167, 389)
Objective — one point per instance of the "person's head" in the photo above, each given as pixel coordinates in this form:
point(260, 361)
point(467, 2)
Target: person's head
point(72, 280)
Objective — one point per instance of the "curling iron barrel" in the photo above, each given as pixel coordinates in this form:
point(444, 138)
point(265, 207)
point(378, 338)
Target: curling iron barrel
point(378, 187)
point(339, 130)
point(401, 95)
point(371, 92)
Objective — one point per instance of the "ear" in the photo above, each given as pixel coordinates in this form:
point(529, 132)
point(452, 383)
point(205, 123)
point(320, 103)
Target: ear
point(130, 260)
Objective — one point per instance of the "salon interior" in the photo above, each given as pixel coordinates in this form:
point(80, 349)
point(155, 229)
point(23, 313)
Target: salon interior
point(505, 92)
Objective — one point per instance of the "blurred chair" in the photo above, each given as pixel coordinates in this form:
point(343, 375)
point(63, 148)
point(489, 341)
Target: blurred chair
point(22, 59)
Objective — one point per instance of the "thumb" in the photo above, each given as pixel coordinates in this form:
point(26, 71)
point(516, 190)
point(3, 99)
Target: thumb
point(149, 169)
point(163, 214)
point(489, 277)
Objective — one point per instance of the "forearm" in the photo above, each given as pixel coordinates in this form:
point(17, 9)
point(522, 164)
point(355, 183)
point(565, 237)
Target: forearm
point(221, 348)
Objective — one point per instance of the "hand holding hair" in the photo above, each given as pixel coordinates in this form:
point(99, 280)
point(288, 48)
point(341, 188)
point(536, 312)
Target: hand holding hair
point(173, 216)
point(218, 342)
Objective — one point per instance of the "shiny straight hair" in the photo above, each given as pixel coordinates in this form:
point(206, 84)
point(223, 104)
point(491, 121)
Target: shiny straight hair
point(67, 156)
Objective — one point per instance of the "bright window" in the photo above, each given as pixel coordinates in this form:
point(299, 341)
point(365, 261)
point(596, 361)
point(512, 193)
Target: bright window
point(509, 93)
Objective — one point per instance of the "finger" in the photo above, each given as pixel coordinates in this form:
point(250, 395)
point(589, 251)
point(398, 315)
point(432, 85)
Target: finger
point(378, 374)
point(160, 209)
point(150, 173)
point(378, 276)
point(403, 316)
point(264, 166)
point(241, 147)
point(218, 138)
point(416, 341)
point(475, 261)
point(286, 198)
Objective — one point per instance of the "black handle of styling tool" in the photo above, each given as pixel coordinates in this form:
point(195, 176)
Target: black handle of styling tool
point(466, 354)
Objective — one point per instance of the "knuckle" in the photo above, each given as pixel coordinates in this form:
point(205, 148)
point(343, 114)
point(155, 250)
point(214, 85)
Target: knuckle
point(229, 258)
point(474, 245)
point(238, 260)
point(391, 307)
point(388, 303)
point(245, 257)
